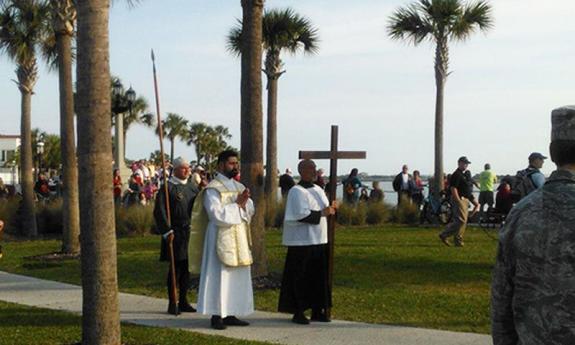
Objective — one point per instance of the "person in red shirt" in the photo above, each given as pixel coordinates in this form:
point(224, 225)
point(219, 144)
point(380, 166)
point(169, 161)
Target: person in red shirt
point(117, 187)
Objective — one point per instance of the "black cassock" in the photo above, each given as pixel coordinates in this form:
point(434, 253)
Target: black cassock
point(182, 198)
point(305, 277)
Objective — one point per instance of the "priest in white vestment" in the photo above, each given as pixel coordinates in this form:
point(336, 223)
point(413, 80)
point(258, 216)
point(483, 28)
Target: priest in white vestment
point(225, 278)
point(305, 277)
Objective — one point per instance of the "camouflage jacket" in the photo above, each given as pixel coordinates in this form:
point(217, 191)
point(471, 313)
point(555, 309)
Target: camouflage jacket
point(533, 289)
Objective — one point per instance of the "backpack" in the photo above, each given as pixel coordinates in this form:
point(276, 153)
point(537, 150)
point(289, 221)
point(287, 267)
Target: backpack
point(521, 184)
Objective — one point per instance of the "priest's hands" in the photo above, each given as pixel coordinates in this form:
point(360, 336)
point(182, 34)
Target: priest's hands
point(243, 198)
point(330, 210)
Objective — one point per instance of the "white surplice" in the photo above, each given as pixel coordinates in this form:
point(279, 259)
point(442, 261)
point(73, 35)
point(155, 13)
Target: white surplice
point(224, 290)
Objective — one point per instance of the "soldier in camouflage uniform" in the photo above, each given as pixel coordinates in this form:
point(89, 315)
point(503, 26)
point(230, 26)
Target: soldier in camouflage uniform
point(533, 289)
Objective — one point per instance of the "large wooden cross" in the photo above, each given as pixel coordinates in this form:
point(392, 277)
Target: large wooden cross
point(333, 155)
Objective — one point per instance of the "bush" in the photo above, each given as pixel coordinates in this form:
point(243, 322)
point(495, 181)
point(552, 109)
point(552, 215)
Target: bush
point(345, 214)
point(359, 214)
point(135, 220)
point(9, 214)
point(49, 217)
point(377, 213)
point(406, 213)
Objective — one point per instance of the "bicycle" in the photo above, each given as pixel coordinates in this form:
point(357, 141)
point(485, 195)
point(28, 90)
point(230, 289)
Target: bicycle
point(437, 210)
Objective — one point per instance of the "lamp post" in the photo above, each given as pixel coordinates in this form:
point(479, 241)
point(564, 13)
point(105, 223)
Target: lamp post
point(121, 102)
point(40, 152)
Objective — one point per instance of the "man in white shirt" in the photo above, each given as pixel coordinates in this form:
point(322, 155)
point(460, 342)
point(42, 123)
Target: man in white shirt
point(305, 284)
point(225, 279)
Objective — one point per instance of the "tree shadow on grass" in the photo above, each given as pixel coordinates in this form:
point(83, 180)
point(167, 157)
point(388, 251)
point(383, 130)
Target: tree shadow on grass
point(14, 316)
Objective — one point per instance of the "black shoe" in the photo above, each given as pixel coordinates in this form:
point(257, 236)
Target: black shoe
point(234, 321)
point(186, 308)
point(300, 319)
point(319, 317)
point(217, 322)
point(173, 309)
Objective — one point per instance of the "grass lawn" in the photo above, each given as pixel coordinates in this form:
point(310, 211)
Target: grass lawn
point(21, 325)
point(387, 274)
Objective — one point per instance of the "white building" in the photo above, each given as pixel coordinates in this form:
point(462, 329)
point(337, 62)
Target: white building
point(8, 169)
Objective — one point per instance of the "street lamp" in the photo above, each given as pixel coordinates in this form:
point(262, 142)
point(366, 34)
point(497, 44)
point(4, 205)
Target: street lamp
point(121, 102)
point(40, 152)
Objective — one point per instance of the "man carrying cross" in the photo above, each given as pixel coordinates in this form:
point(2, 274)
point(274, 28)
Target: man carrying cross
point(305, 283)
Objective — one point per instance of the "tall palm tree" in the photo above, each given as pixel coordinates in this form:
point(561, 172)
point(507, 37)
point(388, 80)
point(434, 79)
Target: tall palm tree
point(252, 125)
point(174, 126)
point(439, 21)
point(283, 30)
point(63, 22)
point(100, 307)
point(23, 28)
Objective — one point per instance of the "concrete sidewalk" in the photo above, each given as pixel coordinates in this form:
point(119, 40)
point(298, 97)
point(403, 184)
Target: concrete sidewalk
point(269, 327)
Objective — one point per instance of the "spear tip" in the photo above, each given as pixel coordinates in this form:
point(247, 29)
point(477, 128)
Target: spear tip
point(153, 57)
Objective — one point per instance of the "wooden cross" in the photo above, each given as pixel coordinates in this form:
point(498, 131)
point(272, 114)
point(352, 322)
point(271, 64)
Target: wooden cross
point(333, 155)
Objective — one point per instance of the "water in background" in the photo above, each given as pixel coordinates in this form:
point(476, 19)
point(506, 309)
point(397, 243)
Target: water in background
point(390, 196)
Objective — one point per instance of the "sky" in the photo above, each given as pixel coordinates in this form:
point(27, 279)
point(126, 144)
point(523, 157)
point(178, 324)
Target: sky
point(380, 92)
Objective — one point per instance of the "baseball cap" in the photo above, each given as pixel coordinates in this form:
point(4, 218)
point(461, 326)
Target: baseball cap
point(464, 160)
point(536, 155)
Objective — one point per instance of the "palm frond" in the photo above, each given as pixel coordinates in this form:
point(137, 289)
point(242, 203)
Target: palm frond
point(234, 39)
point(287, 30)
point(407, 23)
point(475, 16)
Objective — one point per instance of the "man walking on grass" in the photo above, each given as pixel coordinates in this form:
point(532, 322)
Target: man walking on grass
point(460, 197)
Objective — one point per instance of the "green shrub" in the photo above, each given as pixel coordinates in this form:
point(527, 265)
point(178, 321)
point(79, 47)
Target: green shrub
point(359, 214)
point(9, 214)
point(49, 217)
point(406, 213)
point(345, 214)
point(377, 213)
point(135, 220)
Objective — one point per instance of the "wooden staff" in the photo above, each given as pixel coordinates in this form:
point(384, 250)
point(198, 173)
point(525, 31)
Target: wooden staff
point(173, 292)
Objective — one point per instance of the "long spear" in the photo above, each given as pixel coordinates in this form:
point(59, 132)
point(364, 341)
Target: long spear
point(173, 292)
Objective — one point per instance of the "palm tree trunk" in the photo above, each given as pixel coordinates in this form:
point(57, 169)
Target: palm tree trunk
point(29, 225)
point(70, 209)
point(100, 309)
point(271, 185)
point(441, 62)
point(252, 126)
point(172, 150)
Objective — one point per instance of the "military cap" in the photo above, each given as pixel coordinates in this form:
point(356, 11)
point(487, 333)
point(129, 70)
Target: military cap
point(563, 123)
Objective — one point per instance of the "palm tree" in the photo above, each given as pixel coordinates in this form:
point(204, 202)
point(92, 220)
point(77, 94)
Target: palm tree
point(439, 21)
point(174, 126)
point(198, 135)
point(100, 307)
point(208, 142)
point(23, 28)
point(283, 30)
point(63, 21)
point(252, 126)
point(138, 114)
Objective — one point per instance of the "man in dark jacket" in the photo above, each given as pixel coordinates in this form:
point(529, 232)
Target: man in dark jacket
point(182, 195)
point(403, 184)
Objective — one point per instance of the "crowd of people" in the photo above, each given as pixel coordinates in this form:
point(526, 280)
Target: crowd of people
point(143, 184)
